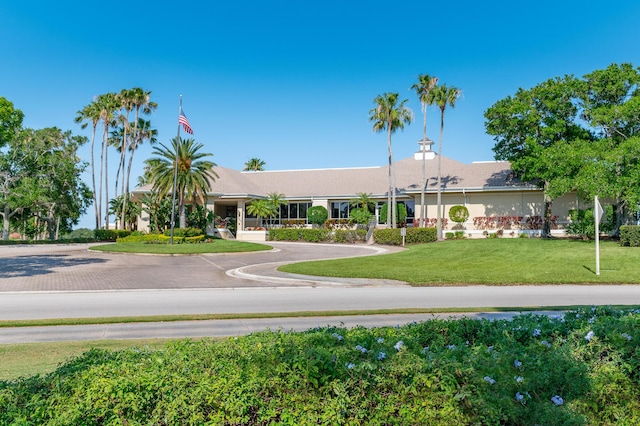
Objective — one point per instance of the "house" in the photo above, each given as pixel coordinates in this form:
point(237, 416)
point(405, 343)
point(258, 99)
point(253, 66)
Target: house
point(495, 198)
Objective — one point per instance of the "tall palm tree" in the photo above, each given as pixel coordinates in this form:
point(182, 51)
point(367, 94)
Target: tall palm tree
point(362, 200)
point(390, 114)
point(423, 88)
point(143, 132)
point(261, 208)
point(443, 96)
point(91, 113)
point(194, 175)
point(109, 105)
point(126, 100)
point(140, 102)
point(254, 164)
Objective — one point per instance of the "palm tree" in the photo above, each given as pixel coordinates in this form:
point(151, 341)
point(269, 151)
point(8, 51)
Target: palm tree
point(390, 115)
point(141, 102)
point(194, 175)
point(108, 104)
point(254, 164)
point(91, 113)
point(260, 209)
point(143, 132)
point(423, 88)
point(442, 96)
point(362, 200)
point(276, 200)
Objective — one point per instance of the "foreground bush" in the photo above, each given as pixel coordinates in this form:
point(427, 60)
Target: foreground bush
point(630, 235)
point(580, 368)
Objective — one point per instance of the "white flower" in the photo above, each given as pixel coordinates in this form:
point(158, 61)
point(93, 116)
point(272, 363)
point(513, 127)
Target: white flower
point(381, 356)
point(593, 309)
point(425, 349)
point(577, 316)
point(626, 336)
point(557, 400)
point(518, 379)
point(350, 365)
point(490, 348)
point(399, 345)
point(592, 320)
point(517, 364)
point(361, 349)
point(536, 332)
point(545, 343)
point(338, 337)
point(452, 347)
point(489, 379)
point(589, 335)
point(520, 397)
point(380, 340)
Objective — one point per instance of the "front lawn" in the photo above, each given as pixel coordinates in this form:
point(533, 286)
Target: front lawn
point(216, 246)
point(490, 262)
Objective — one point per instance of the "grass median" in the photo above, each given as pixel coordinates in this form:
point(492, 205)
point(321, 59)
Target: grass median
point(489, 262)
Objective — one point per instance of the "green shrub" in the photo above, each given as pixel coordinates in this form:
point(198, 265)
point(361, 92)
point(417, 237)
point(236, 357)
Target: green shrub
point(317, 215)
point(360, 216)
point(142, 238)
point(459, 214)
point(80, 234)
point(184, 232)
point(630, 235)
point(296, 234)
point(349, 236)
point(449, 235)
point(401, 213)
point(578, 369)
point(413, 236)
point(110, 234)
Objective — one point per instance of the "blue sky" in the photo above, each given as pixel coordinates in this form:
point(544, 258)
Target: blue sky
point(292, 82)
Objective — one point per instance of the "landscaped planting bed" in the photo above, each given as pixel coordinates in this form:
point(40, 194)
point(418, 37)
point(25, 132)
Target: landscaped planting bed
point(582, 367)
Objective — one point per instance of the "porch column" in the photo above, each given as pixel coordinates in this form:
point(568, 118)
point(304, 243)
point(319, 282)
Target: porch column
point(240, 215)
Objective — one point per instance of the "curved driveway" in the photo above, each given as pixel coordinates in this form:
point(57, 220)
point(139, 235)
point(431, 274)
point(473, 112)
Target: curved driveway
point(69, 281)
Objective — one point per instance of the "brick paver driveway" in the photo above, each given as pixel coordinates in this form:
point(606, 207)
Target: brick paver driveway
point(75, 268)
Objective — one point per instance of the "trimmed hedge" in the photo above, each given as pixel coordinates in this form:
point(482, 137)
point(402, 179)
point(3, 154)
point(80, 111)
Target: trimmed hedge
point(297, 234)
point(630, 235)
point(110, 234)
point(160, 239)
point(414, 236)
point(184, 232)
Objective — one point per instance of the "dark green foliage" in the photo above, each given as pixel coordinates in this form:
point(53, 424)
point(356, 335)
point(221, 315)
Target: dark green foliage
point(401, 213)
point(453, 372)
point(110, 234)
point(184, 232)
point(360, 215)
point(317, 215)
point(82, 233)
point(349, 236)
point(630, 235)
point(298, 234)
point(458, 214)
point(583, 224)
point(414, 236)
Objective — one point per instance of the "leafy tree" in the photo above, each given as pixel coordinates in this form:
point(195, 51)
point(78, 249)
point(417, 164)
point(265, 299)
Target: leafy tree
point(360, 215)
point(130, 218)
point(276, 200)
point(317, 215)
point(401, 213)
point(442, 96)
point(193, 174)
point(47, 172)
point(254, 164)
point(159, 210)
point(390, 114)
point(423, 89)
point(10, 121)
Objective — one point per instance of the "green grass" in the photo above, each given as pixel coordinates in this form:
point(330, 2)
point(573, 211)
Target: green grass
point(217, 246)
point(30, 359)
point(490, 262)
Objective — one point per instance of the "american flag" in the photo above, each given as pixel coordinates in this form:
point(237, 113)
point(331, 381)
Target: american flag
point(185, 123)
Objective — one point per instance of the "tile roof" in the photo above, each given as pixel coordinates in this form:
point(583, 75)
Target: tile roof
point(347, 182)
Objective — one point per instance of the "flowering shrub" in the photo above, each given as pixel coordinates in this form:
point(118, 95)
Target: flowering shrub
point(454, 372)
point(431, 222)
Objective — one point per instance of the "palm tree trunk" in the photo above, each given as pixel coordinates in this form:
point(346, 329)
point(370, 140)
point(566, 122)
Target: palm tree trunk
point(93, 179)
point(390, 181)
point(423, 215)
point(102, 149)
point(439, 193)
point(106, 176)
point(392, 170)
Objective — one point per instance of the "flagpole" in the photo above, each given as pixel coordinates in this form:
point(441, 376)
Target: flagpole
point(596, 210)
point(175, 177)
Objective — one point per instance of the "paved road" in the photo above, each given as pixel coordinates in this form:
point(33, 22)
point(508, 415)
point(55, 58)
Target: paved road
point(69, 282)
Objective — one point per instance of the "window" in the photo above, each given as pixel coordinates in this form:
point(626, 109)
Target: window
point(340, 210)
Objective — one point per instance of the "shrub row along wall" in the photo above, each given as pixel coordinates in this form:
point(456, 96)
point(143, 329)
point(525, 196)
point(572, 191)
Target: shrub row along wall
point(317, 235)
point(413, 236)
